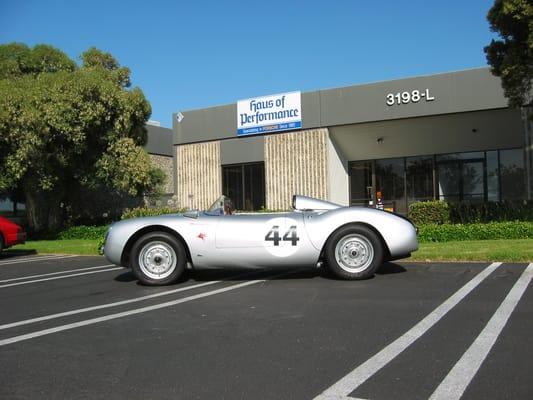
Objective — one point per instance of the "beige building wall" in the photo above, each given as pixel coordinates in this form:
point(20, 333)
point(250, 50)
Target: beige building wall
point(296, 163)
point(166, 164)
point(198, 174)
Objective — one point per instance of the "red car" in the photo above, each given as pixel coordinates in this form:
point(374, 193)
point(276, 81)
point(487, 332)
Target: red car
point(10, 234)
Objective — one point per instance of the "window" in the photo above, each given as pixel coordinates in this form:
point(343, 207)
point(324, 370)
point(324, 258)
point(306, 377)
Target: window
point(461, 176)
point(245, 185)
point(419, 177)
point(11, 206)
point(361, 183)
point(390, 182)
point(492, 175)
point(512, 174)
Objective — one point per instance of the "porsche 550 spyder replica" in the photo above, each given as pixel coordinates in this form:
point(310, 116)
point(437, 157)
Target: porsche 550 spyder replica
point(352, 241)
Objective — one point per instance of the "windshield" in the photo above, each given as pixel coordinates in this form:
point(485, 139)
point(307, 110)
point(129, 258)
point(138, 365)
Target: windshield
point(222, 206)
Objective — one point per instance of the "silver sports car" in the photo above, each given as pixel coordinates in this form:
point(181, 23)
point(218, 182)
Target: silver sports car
point(352, 241)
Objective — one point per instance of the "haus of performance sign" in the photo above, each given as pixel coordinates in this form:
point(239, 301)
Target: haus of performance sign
point(279, 112)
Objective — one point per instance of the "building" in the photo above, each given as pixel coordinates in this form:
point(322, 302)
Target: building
point(159, 148)
point(449, 136)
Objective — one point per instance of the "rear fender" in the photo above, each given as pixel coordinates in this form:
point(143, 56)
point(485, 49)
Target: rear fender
point(398, 234)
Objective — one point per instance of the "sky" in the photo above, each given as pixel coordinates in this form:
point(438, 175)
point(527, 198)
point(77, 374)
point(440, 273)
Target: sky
point(193, 54)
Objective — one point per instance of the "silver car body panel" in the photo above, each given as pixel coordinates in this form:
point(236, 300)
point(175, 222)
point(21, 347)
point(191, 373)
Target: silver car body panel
point(264, 239)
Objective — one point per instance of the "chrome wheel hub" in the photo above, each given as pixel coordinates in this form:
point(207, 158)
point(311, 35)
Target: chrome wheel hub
point(157, 260)
point(354, 253)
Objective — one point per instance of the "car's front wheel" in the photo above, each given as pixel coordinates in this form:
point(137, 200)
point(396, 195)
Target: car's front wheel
point(158, 258)
point(354, 252)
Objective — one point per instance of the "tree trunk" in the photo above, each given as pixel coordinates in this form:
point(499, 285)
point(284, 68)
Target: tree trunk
point(43, 210)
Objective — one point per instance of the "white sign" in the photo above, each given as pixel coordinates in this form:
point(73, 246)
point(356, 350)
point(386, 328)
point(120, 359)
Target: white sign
point(406, 97)
point(279, 112)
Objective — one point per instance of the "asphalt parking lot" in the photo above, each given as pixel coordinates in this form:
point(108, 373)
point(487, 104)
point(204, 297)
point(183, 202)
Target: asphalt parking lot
point(79, 328)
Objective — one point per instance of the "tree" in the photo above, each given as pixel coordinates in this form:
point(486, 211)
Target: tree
point(64, 127)
point(511, 57)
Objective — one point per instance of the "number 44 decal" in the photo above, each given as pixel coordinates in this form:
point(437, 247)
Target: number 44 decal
point(290, 236)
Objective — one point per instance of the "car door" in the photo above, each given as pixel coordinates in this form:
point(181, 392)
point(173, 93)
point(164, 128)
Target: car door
point(263, 240)
point(245, 230)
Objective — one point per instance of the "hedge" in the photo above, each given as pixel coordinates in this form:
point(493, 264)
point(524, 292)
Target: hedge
point(83, 232)
point(149, 212)
point(464, 212)
point(441, 212)
point(491, 230)
point(429, 212)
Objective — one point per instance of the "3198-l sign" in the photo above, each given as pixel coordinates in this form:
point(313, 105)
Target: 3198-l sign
point(406, 97)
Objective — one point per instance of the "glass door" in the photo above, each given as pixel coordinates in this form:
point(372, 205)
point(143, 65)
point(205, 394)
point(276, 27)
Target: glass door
point(473, 181)
point(361, 187)
point(461, 179)
point(390, 185)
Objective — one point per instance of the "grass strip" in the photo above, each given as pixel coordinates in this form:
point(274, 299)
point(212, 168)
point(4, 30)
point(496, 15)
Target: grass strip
point(509, 250)
point(85, 247)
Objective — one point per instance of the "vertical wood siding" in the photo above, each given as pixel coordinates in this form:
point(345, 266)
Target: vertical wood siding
point(198, 174)
point(295, 163)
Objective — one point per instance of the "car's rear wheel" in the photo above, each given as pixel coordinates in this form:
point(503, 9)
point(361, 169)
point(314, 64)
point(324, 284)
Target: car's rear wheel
point(1, 243)
point(158, 258)
point(354, 252)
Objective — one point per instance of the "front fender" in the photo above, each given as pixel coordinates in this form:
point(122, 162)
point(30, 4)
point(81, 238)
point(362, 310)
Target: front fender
point(119, 233)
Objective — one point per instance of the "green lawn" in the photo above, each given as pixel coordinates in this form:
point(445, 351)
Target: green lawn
point(518, 250)
point(84, 247)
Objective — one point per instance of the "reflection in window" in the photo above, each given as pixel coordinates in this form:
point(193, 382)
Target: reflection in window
point(493, 186)
point(419, 176)
point(473, 182)
point(245, 185)
point(449, 181)
point(461, 176)
point(390, 182)
point(472, 176)
point(512, 174)
point(361, 183)
point(254, 186)
point(232, 185)
point(460, 156)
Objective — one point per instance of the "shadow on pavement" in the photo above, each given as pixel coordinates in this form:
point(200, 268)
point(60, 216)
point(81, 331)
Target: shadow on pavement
point(126, 276)
point(390, 268)
point(7, 254)
point(243, 274)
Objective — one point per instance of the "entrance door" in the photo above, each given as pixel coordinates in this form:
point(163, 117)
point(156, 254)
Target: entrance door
point(462, 180)
point(473, 181)
point(361, 187)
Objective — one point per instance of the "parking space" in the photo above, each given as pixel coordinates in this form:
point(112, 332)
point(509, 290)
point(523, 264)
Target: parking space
point(78, 327)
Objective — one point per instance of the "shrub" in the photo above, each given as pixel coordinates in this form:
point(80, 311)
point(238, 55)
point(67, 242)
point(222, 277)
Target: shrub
point(83, 232)
point(149, 212)
point(440, 212)
point(466, 212)
point(491, 230)
point(429, 212)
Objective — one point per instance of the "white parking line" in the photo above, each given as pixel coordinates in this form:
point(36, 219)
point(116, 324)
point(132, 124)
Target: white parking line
point(55, 273)
point(58, 277)
point(457, 380)
point(91, 321)
point(34, 259)
point(342, 388)
point(102, 306)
